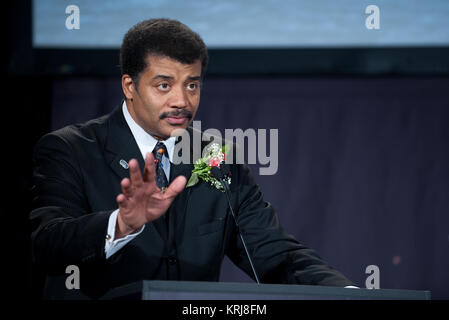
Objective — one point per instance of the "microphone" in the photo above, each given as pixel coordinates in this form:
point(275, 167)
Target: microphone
point(221, 175)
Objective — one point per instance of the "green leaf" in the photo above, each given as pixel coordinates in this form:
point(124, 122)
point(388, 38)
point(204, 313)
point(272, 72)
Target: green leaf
point(204, 170)
point(193, 180)
point(200, 166)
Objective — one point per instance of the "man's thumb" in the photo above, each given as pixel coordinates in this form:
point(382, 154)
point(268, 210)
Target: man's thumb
point(176, 186)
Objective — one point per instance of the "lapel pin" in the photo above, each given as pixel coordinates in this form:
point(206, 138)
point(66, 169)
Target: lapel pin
point(124, 164)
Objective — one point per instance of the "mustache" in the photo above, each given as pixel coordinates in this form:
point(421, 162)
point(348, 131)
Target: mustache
point(181, 113)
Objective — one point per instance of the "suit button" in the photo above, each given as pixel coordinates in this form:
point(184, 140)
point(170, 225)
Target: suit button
point(172, 260)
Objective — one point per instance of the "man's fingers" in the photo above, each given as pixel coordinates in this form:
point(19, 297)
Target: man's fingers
point(126, 187)
point(149, 173)
point(134, 173)
point(122, 201)
point(175, 187)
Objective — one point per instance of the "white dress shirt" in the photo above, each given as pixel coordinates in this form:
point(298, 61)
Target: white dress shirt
point(146, 143)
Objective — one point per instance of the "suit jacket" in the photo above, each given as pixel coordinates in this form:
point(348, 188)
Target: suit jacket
point(77, 178)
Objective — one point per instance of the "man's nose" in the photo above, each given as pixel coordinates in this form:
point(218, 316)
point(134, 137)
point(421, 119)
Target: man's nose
point(178, 98)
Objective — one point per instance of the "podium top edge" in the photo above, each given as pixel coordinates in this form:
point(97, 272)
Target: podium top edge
point(284, 289)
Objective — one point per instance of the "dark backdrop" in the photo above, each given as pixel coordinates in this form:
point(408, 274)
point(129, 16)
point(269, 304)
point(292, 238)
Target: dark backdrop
point(363, 163)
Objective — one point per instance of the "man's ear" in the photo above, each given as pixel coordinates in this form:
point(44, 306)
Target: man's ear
point(128, 86)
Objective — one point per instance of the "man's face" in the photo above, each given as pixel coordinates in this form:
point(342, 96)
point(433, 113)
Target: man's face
point(166, 97)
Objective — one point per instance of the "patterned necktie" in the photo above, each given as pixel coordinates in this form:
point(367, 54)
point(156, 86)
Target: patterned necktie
point(161, 179)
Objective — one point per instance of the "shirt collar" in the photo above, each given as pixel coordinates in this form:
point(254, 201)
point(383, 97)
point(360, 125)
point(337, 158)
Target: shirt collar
point(145, 141)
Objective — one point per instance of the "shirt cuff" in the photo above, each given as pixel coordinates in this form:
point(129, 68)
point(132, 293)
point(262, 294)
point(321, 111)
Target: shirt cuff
point(112, 245)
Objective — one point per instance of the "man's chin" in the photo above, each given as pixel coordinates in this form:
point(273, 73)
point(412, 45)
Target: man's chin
point(168, 129)
point(175, 131)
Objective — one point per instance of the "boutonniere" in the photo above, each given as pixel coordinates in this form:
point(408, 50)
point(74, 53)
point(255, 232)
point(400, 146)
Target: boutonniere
point(213, 157)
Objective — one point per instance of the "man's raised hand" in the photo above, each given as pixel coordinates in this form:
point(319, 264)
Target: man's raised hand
point(141, 201)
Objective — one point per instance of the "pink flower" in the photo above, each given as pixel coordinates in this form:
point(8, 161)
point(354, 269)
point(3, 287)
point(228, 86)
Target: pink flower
point(214, 162)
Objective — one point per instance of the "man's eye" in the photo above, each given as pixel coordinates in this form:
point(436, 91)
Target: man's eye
point(192, 86)
point(163, 86)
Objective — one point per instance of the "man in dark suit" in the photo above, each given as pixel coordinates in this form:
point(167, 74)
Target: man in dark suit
point(109, 199)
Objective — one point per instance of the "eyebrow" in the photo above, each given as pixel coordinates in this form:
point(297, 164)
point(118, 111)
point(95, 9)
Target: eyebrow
point(164, 77)
point(161, 76)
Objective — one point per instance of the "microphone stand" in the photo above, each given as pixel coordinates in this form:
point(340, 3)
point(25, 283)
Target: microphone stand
point(218, 174)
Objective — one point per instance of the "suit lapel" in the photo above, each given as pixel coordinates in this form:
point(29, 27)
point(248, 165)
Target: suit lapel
point(121, 145)
point(179, 205)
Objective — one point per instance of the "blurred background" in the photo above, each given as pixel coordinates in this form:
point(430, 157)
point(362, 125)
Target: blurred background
point(360, 99)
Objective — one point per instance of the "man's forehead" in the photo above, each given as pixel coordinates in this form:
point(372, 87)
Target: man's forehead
point(158, 63)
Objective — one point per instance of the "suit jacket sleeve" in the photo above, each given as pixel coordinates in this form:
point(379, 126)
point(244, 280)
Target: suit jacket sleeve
point(64, 231)
point(277, 256)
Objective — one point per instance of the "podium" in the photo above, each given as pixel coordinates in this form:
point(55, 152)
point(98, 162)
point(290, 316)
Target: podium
point(187, 290)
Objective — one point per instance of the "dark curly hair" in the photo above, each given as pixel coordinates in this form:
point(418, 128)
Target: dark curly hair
point(164, 37)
